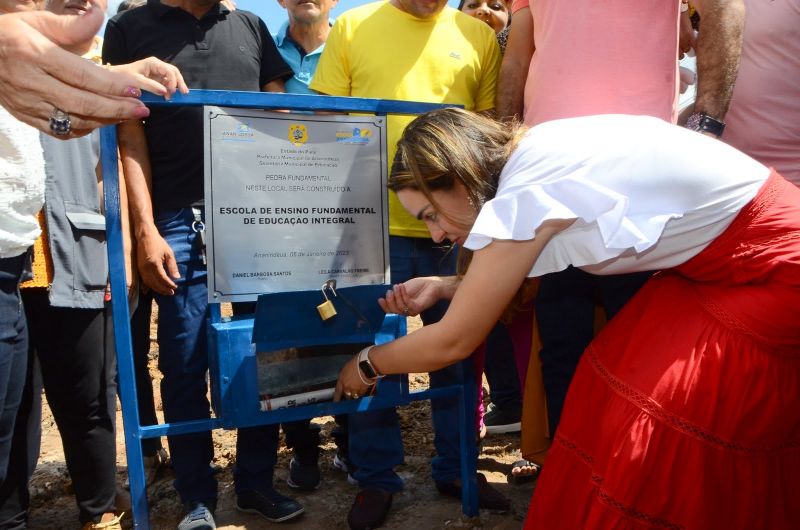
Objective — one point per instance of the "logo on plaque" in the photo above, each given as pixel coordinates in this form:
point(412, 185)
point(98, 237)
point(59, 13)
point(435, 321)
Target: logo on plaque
point(355, 135)
point(298, 134)
point(242, 132)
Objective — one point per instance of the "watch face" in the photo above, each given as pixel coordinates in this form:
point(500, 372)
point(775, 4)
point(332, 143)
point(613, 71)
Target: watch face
point(367, 370)
point(702, 123)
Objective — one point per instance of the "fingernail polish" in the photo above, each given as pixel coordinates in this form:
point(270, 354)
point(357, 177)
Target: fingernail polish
point(141, 112)
point(133, 92)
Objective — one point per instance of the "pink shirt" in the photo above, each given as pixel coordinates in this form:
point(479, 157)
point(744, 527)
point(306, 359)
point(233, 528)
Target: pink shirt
point(602, 57)
point(764, 117)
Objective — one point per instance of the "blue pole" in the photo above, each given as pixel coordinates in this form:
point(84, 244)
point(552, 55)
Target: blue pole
point(122, 327)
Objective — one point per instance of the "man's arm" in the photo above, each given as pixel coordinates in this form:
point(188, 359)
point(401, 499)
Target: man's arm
point(719, 46)
point(514, 69)
point(154, 257)
point(276, 85)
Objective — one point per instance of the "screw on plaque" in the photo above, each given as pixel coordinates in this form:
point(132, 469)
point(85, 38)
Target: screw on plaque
point(326, 309)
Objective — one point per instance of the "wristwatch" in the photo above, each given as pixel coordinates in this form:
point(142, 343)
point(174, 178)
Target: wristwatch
point(701, 122)
point(365, 365)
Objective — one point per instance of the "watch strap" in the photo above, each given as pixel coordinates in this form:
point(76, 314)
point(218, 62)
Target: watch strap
point(701, 122)
point(365, 366)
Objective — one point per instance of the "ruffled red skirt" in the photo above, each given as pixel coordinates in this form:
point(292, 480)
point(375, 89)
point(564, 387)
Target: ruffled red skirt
point(685, 411)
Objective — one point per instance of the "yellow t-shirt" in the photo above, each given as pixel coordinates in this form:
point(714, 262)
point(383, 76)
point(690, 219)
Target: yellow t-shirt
point(379, 51)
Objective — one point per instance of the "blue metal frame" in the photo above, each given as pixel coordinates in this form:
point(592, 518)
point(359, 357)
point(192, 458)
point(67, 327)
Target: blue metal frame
point(236, 333)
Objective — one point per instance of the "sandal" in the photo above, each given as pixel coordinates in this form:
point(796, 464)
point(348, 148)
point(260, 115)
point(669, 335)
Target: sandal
point(523, 475)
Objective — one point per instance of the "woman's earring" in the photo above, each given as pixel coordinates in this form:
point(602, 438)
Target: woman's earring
point(476, 206)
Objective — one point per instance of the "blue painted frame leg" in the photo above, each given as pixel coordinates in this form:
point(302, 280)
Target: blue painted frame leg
point(469, 449)
point(122, 329)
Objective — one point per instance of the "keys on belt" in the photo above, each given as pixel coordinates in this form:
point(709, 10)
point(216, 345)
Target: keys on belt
point(199, 227)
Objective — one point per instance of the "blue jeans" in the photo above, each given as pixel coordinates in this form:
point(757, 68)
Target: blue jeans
point(13, 352)
point(565, 307)
point(501, 370)
point(183, 360)
point(376, 444)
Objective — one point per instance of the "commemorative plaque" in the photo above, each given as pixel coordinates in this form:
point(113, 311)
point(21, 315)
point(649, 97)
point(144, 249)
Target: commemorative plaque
point(292, 201)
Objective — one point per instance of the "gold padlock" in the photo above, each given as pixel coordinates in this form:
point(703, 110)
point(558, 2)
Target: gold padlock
point(326, 309)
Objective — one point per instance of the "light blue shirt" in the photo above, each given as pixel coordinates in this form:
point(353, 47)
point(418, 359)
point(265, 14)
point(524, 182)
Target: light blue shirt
point(302, 66)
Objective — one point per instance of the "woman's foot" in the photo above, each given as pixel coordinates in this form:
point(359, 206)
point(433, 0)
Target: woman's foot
point(523, 471)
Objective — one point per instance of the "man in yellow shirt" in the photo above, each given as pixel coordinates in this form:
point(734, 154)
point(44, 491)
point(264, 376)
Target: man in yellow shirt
point(415, 50)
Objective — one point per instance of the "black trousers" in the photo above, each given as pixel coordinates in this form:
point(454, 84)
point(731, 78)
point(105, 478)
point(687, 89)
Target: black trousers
point(140, 340)
point(78, 366)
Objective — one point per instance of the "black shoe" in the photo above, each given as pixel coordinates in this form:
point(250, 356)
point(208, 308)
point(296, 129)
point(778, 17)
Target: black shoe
point(303, 477)
point(488, 497)
point(269, 504)
point(199, 516)
point(369, 510)
point(500, 421)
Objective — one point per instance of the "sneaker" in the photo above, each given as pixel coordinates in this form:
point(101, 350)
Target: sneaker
point(303, 477)
point(109, 521)
point(500, 421)
point(269, 504)
point(369, 510)
point(342, 463)
point(198, 516)
point(488, 497)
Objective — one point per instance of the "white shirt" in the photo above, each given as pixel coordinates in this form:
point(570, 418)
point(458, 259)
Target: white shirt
point(645, 194)
point(21, 185)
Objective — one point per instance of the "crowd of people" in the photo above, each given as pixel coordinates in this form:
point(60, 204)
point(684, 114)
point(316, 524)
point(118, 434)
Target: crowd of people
point(636, 280)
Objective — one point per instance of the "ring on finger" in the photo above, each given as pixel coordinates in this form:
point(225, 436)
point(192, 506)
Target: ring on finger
point(60, 123)
point(405, 311)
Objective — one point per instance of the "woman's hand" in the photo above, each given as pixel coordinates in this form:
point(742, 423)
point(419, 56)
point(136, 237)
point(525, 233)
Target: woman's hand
point(350, 385)
point(157, 71)
point(38, 77)
point(416, 295)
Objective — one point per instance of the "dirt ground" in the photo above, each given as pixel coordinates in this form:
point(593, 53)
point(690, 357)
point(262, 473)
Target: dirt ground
point(418, 507)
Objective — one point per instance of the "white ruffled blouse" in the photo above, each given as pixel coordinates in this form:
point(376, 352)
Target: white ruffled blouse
point(21, 185)
point(646, 195)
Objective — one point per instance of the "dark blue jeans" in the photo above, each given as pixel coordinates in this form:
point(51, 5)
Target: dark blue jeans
point(565, 307)
point(14, 472)
point(183, 359)
point(501, 370)
point(376, 444)
point(14, 494)
point(13, 352)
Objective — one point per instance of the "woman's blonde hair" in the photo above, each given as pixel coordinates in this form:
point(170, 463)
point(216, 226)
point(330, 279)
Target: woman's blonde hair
point(448, 145)
point(444, 146)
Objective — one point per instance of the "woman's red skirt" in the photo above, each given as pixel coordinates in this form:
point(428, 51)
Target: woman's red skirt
point(685, 410)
